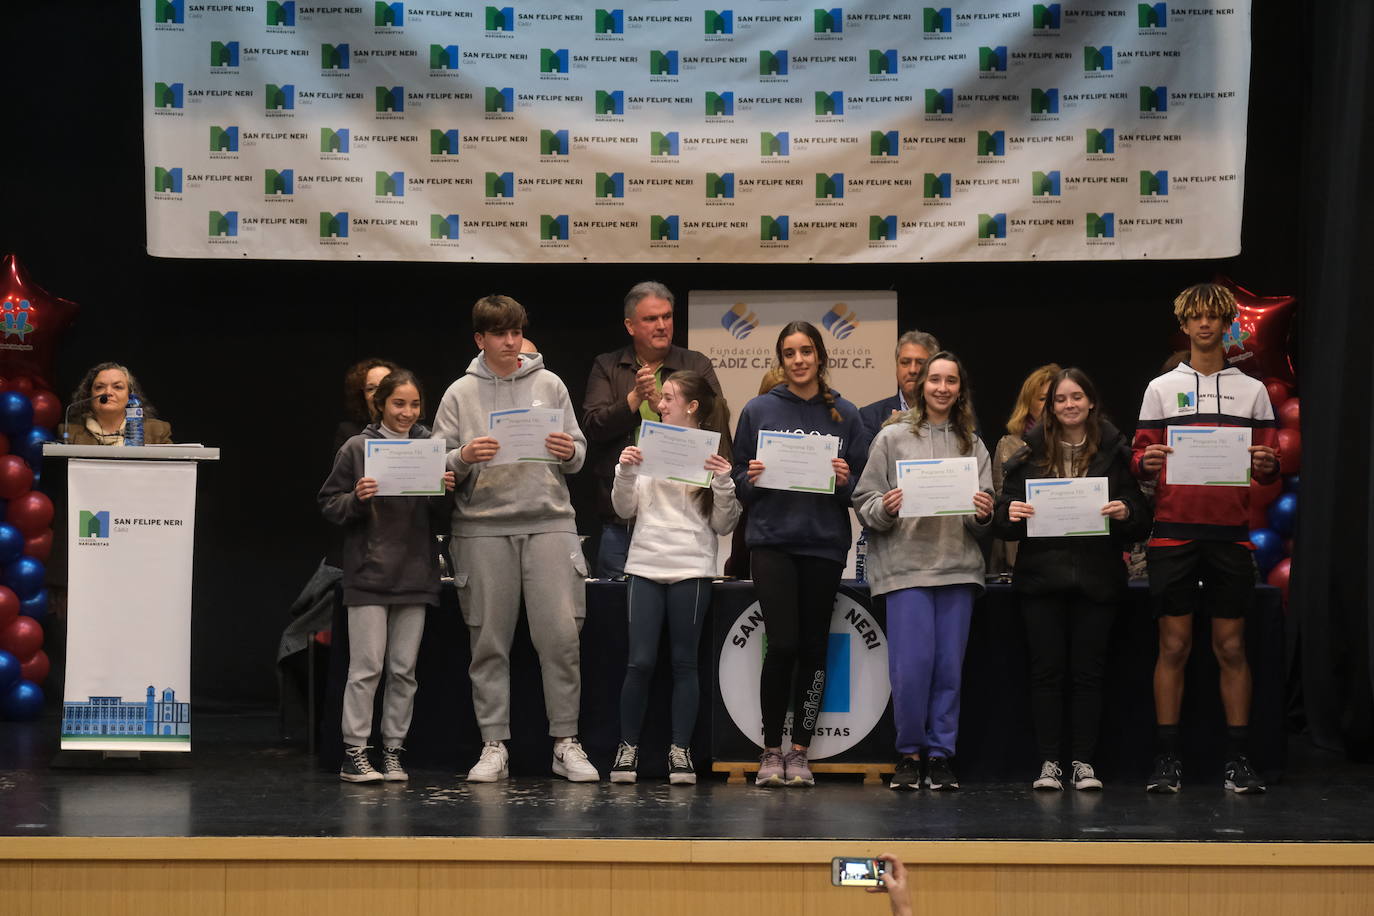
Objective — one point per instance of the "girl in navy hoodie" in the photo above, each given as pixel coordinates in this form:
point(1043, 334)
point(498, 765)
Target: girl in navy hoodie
point(798, 543)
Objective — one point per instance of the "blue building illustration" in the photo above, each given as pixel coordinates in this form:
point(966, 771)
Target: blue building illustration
point(117, 717)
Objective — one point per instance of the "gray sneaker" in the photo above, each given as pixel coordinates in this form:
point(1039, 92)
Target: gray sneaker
point(770, 769)
point(795, 769)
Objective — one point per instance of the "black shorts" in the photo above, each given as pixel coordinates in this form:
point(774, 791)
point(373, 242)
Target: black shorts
point(1225, 569)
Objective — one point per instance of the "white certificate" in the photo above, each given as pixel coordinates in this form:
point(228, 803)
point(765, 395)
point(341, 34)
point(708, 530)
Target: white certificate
point(677, 453)
point(937, 486)
point(796, 461)
point(1067, 507)
point(522, 431)
point(1208, 456)
point(405, 467)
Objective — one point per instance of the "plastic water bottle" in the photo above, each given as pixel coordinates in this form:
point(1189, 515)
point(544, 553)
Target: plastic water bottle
point(133, 421)
point(860, 556)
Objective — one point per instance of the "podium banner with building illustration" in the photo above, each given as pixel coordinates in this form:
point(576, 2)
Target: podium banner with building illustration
point(131, 526)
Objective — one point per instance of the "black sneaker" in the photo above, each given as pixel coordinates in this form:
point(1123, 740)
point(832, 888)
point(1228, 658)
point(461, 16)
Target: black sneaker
point(1167, 776)
point(392, 771)
point(940, 775)
point(907, 775)
point(356, 767)
point(681, 772)
point(1241, 777)
point(626, 763)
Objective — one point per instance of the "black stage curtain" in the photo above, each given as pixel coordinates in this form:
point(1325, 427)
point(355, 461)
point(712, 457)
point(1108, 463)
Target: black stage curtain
point(1334, 566)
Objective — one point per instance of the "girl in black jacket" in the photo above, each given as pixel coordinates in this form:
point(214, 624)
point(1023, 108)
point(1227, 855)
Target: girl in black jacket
point(1070, 586)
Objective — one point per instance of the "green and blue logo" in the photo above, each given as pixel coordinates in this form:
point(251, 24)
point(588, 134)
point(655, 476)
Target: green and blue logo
point(1154, 98)
point(334, 57)
point(1097, 58)
point(937, 185)
point(992, 225)
point(333, 141)
point(224, 224)
point(1045, 16)
point(224, 53)
point(500, 19)
point(883, 143)
point(940, 101)
point(1154, 184)
point(774, 144)
point(224, 139)
point(1045, 184)
point(719, 22)
point(829, 187)
point(1101, 142)
point(829, 103)
point(281, 14)
point(772, 63)
point(610, 22)
point(444, 227)
point(279, 98)
point(443, 142)
point(334, 225)
point(16, 320)
point(610, 184)
point(500, 184)
point(882, 62)
point(93, 524)
point(720, 185)
point(169, 12)
point(882, 228)
point(391, 98)
point(992, 143)
point(553, 228)
point(389, 15)
point(499, 100)
point(610, 103)
point(663, 228)
point(166, 181)
point(663, 143)
point(1101, 225)
point(829, 21)
point(553, 143)
point(720, 104)
point(992, 60)
point(278, 182)
point(443, 57)
point(663, 63)
point(936, 20)
point(551, 61)
point(772, 228)
point(1044, 101)
point(1152, 15)
point(167, 95)
point(391, 184)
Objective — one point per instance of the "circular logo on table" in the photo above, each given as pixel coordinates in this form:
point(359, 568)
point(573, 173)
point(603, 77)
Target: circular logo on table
point(856, 683)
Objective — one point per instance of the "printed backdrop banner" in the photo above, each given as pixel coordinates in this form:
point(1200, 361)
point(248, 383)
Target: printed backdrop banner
point(130, 536)
point(660, 130)
point(738, 330)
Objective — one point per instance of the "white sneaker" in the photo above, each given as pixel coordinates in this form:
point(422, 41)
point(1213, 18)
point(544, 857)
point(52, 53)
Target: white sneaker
point(1049, 777)
point(1084, 777)
point(492, 765)
point(570, 762)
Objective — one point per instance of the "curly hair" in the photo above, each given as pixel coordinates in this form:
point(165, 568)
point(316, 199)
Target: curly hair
point(81, 404)
point(960, 415)
point(355, 401)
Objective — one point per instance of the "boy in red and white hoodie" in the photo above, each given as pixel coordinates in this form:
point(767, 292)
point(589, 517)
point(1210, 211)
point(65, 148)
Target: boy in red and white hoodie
point(1201, 533)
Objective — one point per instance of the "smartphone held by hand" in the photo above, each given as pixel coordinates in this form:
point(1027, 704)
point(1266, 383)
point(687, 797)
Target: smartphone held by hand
point(853, 872)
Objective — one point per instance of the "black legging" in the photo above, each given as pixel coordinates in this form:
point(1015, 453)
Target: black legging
point(796, 594)
point(1068, 634)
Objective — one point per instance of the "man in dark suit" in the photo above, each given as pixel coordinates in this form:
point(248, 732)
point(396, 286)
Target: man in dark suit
point(914, 348)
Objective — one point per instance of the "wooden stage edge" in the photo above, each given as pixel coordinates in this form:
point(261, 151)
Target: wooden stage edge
point(681, 852)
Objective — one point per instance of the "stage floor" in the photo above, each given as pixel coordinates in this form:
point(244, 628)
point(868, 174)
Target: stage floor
point(243, 781)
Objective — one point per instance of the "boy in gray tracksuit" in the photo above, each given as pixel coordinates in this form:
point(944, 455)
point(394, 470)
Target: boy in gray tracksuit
point(514, 530)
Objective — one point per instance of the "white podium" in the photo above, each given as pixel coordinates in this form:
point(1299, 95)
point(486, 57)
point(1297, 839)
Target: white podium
point(130, 543)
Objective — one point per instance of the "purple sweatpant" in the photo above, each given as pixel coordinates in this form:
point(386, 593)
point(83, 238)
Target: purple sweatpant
point(927, 632)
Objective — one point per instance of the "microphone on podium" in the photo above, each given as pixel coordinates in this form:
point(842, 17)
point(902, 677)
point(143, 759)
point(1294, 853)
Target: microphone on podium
point(67, 416)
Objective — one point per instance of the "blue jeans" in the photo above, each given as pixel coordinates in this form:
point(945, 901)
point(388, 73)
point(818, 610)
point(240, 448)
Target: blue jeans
point(613, 551)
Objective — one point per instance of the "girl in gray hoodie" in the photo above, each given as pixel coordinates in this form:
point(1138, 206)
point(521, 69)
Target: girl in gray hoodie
point(929, 568)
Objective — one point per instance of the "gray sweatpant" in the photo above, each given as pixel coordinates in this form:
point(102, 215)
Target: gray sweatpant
point(491, 573)
point(381, 634)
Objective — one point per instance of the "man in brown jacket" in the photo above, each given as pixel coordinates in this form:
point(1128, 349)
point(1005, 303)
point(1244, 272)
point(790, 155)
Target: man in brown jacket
point(623, 389)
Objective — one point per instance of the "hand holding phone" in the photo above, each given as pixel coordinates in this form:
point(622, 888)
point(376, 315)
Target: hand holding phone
point(851, 872)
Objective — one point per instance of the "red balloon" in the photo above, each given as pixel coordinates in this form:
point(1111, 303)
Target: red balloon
point(47, 409)
point(1290, 451)
point(35, 668)
point(1262, 496)
point(30, 513)
point(1290, 414)
point(16, 477)
point(33, 321)
point(9, 606)
point(39, 546)
point(1279, 393)
point(23, 637)
point(1278, 576)
point(22, 384)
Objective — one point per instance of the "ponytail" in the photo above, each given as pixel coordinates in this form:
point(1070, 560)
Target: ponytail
point(829, 396)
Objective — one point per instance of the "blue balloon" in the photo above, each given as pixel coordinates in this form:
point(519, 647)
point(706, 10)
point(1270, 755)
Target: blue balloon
point(1290, 483)
point(1283, 514)
point(23, 701)
point(29, 446)
point(1268, 549)
point(11, 543)
point(24, 576)
point(16, 413)
point(35, 607)
point(9, 669)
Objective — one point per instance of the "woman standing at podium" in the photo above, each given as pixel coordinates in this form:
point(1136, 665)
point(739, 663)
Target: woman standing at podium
point(96, 409)
point(390, 574)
